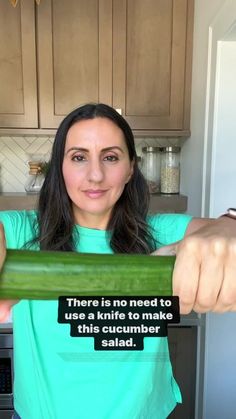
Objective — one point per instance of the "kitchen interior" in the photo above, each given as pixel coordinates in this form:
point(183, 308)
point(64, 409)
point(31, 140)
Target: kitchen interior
point(168, 67)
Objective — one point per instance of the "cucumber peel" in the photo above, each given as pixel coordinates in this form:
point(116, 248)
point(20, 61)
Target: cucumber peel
point(40, 275)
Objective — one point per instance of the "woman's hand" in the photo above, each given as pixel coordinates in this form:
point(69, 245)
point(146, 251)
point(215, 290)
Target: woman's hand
point(204, 275)
point(5, 305)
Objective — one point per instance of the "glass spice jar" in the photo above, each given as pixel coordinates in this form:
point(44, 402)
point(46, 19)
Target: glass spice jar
point(36, 177)
point(170, 170)
point(151, 168)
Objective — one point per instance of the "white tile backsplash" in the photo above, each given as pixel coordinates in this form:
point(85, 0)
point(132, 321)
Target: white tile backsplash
point(15, 152)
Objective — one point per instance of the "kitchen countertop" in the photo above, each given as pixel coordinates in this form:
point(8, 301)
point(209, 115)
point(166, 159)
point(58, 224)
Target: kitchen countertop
point(158, 202)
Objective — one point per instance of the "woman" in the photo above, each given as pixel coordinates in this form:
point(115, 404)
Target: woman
point(94, 199)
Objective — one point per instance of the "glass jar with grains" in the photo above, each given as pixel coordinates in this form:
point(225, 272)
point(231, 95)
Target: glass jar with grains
point(151, 168)
point(170, 170)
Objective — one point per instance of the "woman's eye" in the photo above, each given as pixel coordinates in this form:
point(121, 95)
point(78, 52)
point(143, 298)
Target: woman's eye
point(78, 158)
point(111, 158)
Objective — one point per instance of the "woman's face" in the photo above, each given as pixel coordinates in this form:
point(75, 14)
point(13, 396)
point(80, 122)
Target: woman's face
point(96, 168)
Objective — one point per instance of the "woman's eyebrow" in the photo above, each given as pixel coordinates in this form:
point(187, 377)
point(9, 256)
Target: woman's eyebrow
point(112, 148)
point(76, 149)
point(103, 149)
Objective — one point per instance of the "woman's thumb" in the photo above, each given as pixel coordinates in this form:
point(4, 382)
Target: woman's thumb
point(2, 246)
point(169, 250)
point(5, 305)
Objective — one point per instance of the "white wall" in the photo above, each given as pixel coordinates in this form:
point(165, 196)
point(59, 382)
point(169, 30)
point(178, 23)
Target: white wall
point(223, 175)
point(220, 350)
point(192, 151)
point(220, 365)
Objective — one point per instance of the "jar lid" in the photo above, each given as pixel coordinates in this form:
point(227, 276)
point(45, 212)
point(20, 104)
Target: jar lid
point(151, 149)
point(170, 149)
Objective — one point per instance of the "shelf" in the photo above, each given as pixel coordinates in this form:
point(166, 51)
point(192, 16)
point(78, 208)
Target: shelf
point(51, 132)
point(168, 203)
point(17, 201)
point(158, 203)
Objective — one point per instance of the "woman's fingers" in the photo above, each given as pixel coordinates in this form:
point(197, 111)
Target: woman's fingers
point(186, 275)
point(166, 250)
point(204, 276)
point(5, 305)
point(5, 309)
point(226, 300)
point(2, 245)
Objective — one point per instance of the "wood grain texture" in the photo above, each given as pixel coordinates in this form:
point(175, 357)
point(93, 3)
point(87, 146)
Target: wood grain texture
point(149, 75)
point(132, 54)
point(18, 88)
point(69, 55)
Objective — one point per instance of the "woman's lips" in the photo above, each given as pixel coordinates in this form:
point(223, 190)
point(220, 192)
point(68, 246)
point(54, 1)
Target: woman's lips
point(95, 193)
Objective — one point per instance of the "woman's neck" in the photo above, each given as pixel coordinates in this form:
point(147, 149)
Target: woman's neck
point(95, 221)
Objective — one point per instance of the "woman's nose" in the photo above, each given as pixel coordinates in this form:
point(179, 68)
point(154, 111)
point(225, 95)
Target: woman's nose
point(95, 172)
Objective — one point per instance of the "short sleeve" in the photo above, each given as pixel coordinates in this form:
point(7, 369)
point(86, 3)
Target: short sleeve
point(168, 228)
point(19, 227)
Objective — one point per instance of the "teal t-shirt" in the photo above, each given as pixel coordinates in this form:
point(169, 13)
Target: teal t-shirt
point(58, 376)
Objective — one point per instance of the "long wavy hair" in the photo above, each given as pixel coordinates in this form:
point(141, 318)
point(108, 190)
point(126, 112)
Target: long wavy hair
point(129, 231)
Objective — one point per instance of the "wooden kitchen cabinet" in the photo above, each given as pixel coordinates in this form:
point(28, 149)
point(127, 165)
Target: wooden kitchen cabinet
point(152, 44)
point(74, 56)
point(183, 354)
point(18, 87)
point(132, 54)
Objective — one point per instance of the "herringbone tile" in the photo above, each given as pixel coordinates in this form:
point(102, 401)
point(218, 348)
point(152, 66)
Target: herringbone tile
point(15, 152)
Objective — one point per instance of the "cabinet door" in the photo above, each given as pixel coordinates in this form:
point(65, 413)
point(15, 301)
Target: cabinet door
point(18, 88)
point(74, 56)
point(152, 62)
point(183, 353)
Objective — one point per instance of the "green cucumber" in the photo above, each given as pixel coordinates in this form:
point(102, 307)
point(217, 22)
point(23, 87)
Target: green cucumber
point(42, 275)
